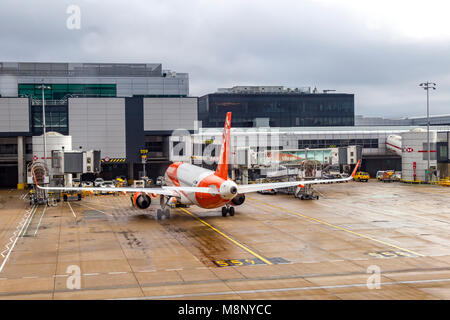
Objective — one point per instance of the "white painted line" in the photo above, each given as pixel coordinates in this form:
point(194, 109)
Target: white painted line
point(283, 289)
point(90, 274)
point(17, 237)
point(60, 275)
point(29, 221)
point(94, 209)
point(40, 220)
point(3, 278)
point(201, 268)
point(147, 271)
point(179, 269)
point(71, 209)
point(117, 272)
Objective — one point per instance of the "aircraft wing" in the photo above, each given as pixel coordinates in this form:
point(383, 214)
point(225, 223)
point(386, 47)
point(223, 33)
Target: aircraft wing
point(167, 191)
point(246, 188)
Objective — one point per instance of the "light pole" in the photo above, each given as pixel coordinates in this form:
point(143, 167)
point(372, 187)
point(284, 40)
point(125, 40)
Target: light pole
point(43, 87)
point(427, 86)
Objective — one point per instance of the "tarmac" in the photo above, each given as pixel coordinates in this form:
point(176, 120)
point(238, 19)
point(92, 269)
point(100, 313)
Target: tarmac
point(358, 241)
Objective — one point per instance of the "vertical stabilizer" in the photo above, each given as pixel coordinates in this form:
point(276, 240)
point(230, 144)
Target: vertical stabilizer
point(222, 166)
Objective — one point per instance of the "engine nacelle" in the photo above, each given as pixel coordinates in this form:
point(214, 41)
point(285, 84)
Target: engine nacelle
point(141, 200)
point(238, 200)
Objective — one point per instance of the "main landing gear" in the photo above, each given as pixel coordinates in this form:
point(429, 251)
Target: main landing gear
point(227, 209)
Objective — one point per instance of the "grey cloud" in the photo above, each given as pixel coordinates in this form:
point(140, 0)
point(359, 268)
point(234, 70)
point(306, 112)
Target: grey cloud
point(225, 43)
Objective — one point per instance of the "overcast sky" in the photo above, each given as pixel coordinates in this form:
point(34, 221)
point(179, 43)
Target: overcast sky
point(379, 50)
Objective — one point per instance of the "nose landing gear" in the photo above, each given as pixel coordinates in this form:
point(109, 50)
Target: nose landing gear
point(229, 210)
point(164, 212)
point(161, 213)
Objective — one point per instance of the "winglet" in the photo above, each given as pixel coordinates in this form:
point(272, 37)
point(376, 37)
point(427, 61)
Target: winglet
point(356, 168)
point(222, 166)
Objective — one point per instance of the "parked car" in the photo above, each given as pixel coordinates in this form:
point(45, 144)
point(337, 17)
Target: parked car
point(139, 184)
point(85, 184)
point(98, 182)
point(269, 191)
point(76, 182)
point(108, 184)
point(160, 181)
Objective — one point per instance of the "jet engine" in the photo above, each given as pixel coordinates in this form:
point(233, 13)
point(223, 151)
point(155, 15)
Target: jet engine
point(238, 200)
point(141, 200)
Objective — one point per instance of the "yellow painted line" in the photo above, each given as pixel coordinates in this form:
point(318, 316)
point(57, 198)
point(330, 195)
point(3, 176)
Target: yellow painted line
point(337, 227)
point(227, 237)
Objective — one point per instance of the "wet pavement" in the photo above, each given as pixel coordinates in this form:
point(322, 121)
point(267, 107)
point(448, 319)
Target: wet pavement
point(275, 247)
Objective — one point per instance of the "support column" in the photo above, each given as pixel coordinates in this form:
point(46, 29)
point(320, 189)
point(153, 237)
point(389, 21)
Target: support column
point(20, 164)
point(244, 175)
point(130, 171)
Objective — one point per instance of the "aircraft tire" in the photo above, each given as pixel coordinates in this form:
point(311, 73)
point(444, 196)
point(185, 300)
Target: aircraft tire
point(158, 214)
point(167, 213)
point(224, 211)
point(231, 211)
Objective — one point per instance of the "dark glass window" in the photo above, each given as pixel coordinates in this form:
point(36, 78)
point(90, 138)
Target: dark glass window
point(62, 90)
point(55, 119)
point(283, 110)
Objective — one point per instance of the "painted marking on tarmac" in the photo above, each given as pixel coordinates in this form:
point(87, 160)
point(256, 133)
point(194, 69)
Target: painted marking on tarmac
point(108, 214)
point(227, 237)
point(247, 262)
point(71, 210)
point(121, 272)
point(10, 246)
point(29, 222)
point(90, 274)
point(40, 220)
point(339, 286)
point(176, 269)
point(339, 228)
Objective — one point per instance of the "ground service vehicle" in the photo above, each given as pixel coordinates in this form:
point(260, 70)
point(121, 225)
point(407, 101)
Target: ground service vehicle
point(361, 176)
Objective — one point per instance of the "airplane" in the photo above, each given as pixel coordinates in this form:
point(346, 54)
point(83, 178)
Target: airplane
point(193, 185)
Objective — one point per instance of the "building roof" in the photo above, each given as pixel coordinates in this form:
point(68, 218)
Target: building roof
point(321, 130)
point(81, 69)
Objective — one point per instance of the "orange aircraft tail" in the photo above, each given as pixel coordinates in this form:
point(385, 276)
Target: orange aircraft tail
point(356, 167)
point(222, 166)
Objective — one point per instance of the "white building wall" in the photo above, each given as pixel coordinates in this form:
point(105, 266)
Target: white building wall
point(412, 151)
point(98, 124)
point(14, 115)
point(169, 113)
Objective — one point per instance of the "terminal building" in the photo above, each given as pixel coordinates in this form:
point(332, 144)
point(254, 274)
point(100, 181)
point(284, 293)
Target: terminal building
point(124, 110)
point(275, 106)
point(377, 152)
point(119, 109)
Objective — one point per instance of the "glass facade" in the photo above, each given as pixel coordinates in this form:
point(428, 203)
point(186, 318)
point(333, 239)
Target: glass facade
point(61, 90)
point(335, 143)
point(55, 119)
point(282, 110)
